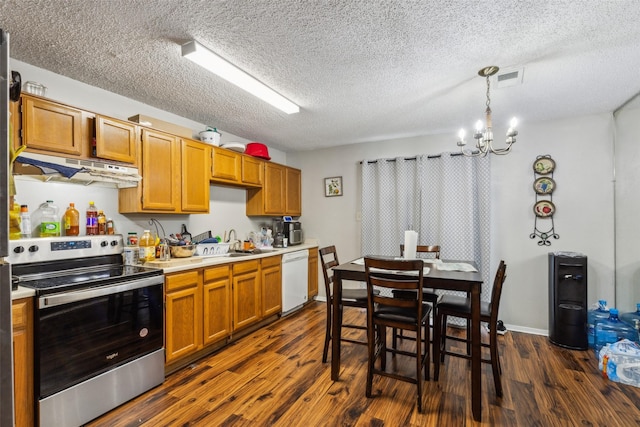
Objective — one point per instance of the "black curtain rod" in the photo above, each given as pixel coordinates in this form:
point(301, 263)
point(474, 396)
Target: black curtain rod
point(435, 156)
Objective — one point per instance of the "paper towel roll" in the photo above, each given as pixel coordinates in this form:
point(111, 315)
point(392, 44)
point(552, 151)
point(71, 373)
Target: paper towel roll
point(410, 244)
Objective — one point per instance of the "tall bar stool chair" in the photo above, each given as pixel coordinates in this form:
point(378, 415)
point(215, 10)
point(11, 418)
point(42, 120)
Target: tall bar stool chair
point(350, 298)
point(401, 313)
point(451, 305)
point(428, 295)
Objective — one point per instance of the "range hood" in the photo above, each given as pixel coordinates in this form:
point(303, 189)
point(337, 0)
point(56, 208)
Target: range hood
point(79, 171)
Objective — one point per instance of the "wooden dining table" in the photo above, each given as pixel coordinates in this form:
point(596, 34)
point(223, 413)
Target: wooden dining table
point(469, 282)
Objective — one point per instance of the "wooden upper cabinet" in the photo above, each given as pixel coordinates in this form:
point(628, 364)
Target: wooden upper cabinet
point(225, 166)
point(230, 167)
point(115, 139)
point(293, 192)
point(195, 172)
point(160, 171)
point(274, 188)
point(52, 127)
point(252, 171)
point(280, 193)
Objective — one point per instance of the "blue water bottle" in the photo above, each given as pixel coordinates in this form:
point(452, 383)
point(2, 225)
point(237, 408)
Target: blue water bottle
point(597, 313)
point(632, 318)
point(611, 330)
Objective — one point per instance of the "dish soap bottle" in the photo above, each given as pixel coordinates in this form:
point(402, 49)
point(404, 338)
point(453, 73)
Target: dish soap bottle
point(71, 220)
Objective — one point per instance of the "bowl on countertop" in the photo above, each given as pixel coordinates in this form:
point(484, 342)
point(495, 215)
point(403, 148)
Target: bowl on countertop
point(184, 251)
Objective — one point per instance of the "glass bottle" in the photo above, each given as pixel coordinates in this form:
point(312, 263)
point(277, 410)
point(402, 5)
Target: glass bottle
point(102, 223)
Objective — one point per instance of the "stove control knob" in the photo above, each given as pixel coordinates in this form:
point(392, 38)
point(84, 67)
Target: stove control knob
point(114, 243)
point(104, 243)
point(18, 249)
point(33, 248)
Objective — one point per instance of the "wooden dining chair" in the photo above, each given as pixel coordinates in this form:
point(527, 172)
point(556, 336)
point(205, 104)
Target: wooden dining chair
point(428, 295)
point(400, 313)
point(350, 298)
point(451, 305)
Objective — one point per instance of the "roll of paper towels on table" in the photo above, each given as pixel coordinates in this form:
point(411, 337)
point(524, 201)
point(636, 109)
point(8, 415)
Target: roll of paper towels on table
point(410, 244)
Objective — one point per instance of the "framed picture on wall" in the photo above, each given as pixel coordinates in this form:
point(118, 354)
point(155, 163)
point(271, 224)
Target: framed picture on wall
point(333, 186)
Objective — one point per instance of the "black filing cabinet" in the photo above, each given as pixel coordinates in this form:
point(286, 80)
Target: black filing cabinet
point(568, 300)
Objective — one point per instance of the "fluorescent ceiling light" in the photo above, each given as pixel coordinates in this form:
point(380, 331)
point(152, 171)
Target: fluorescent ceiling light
point(202, 56)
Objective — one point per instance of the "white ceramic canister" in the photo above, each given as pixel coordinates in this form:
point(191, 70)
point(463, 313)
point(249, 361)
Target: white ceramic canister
point(210, 136)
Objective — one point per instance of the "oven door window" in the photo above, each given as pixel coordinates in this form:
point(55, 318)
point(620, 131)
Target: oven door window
point(80, 340)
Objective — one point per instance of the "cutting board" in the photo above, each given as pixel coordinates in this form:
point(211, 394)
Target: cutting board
point(173, 262)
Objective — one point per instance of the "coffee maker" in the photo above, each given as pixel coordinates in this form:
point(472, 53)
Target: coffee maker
point(289, 230)
point(278, 233)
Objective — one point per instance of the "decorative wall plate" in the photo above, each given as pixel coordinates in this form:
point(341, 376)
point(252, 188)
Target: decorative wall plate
point(544, 165)
point(544, 185)
point(544, 209)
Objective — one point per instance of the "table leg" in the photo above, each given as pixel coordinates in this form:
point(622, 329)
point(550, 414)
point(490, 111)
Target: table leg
point(336, 326)
point(476, 355)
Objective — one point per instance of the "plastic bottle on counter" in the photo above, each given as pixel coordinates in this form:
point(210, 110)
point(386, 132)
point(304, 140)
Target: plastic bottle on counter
point(25, 222)
point(131, 253)
point(102, 223)
point(147, 246)
point(597, 312)
point(611, 330)
point(92, 220)
point(50, 223)
point(71, 221)
point(110, 227)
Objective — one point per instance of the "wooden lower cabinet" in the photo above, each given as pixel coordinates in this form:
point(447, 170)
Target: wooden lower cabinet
point(313, 273)
point(271, 285)
point(246, 294)
point(216, 304)
point(22, 312)
point(183, 314)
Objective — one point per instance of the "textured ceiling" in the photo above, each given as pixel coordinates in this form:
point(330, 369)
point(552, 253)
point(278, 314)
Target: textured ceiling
point(361, 70)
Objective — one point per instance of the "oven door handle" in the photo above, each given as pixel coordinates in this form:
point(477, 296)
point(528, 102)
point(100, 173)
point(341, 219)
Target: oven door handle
point(85, 294)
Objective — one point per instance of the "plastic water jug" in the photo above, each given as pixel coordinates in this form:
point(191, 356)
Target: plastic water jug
point(632, 318)
point(600, 311)
point(612, 330)
point(50, 223)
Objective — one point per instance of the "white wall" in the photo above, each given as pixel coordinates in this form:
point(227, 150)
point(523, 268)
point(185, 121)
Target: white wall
point(627, 207)
point(227, 205)
point(582, 150)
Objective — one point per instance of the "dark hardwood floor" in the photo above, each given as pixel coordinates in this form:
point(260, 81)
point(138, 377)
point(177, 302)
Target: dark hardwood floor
point(275, 377)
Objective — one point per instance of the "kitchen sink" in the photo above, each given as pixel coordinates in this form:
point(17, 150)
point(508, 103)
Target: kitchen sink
point(238, 254)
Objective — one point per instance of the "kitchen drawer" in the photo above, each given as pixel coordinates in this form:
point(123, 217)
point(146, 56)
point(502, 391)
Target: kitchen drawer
point(212, 273)
point(245, 266)
point(271, 261)
point(181, 280)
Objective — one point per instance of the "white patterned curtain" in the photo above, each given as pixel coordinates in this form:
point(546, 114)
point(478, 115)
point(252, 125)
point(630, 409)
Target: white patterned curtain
point(445, 198)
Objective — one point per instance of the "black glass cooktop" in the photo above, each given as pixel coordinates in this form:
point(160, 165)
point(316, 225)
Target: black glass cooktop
point(59, 276)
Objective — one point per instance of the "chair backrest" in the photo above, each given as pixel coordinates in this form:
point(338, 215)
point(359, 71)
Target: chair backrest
point(422, 249)
point(392, 274)
point(496, 292)
point(329, 259)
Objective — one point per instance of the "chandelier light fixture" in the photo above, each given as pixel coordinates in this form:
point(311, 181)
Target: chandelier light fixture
point(484, 137)
point(202, 56)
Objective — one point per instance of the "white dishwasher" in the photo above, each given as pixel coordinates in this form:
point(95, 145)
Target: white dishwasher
point(295, 275)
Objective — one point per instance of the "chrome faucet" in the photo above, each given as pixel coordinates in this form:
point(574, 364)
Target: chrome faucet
point(235, 244)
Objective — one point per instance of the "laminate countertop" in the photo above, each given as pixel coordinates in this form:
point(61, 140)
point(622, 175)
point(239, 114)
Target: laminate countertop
point(199, 262)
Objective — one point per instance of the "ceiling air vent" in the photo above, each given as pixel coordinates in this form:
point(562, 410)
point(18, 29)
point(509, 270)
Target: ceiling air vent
point(512, 77)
